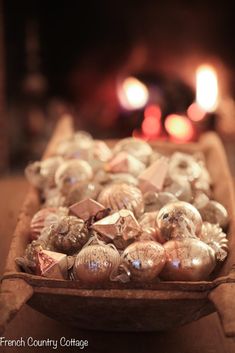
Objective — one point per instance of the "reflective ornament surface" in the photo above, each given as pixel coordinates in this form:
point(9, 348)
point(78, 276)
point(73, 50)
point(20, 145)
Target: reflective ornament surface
point(213, 235)
point(51, 264)
point(144, 260)
point(71, 173)
point(155, 201)
point(214, 212)
point(124, 162)
point(119, 195)
point(184, 166)
point(41, 174)
point(179, 219)
point(95, 264)
point(121, 227)
point(136, 147)
point(68, 235)
point(44, 218)
point(81, 191)
point(188, 259)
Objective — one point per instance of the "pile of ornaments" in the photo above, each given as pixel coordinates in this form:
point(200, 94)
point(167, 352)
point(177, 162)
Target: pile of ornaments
point(129, 213)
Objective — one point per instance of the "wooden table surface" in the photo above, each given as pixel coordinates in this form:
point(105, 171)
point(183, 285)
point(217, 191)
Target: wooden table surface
point(203, 336)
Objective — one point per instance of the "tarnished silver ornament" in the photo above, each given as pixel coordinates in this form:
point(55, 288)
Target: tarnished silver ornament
point(188, 259)
point(144, 260)
point(179, 219)
point(95, 264)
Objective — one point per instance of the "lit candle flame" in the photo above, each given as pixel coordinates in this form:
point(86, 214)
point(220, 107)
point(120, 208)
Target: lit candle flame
point(206, 88)
point(133, 94)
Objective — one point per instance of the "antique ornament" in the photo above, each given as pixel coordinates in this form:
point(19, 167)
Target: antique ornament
point(179, 219)
point(188, 259)
point(119, 195)
point(71, 173)
point(95, 264)
point(144, 260)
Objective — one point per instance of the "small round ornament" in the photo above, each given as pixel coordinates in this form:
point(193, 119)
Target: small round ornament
point(52, 197)
point(180, 188)
point(213, 235)
point(79, 146)
point(188, 259)
point(149, 227)
point(41, 174)
point(136, 147)
point(214, 212)
point(71, 173)
point(68, 235)
point(101, 151)
point(95, 264)
point(118, 196)
point(155, 201)
point(184, 166)
point(179, 218)
point(144, 260)
point(82, 191)
point(44, 218)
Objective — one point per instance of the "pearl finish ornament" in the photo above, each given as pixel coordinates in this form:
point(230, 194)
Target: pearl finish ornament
point(95, 264)
point(179, 219)
point(188, 259)
point(144, 260)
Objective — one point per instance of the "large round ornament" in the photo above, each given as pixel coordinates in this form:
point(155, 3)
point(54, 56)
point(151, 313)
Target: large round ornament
point(119, 195)
point(95, 264)
point(144, 260)
point(179, 219)
point(188, 259)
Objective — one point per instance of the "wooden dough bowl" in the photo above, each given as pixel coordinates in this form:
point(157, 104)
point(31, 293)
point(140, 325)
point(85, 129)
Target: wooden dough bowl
point(119, 307)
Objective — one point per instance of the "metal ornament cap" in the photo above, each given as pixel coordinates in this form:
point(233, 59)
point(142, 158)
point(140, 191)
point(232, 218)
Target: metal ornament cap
point(188, 259)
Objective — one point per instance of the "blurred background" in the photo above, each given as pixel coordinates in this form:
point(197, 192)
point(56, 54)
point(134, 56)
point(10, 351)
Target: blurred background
point(142, 68)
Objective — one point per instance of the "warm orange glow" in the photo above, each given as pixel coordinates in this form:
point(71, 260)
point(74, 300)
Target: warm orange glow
point(132, 94)
point(151, 125)
point(179, 127)
point(206, 88)
point(152, 111)
point(195, 112)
